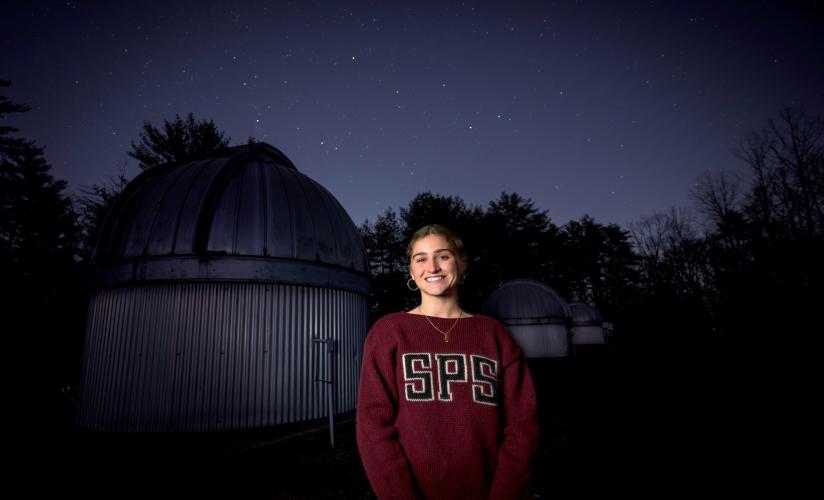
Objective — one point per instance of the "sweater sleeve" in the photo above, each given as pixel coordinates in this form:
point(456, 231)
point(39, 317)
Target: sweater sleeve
point(520, 431)
point(382, 455)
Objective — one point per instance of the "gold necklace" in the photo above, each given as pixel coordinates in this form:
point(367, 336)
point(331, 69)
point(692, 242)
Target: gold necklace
point(445, 333)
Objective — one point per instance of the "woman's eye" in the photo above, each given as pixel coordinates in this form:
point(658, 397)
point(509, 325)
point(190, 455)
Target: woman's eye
point(444, 257)
point(421, 259)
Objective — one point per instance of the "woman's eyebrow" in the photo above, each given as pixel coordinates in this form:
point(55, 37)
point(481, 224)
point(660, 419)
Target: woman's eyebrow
point(434, 251)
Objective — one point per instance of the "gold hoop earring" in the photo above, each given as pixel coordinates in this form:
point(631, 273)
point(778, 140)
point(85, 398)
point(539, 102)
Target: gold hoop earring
point(463, 279)
point(410, 287)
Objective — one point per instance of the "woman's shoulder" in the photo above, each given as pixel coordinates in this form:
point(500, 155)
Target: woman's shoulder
point(393, 317)
point(383, 331)
point(390, 321)
point(501, 333)
point(489, 320)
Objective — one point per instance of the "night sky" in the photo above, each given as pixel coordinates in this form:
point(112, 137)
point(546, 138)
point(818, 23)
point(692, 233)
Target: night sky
point(605, 108)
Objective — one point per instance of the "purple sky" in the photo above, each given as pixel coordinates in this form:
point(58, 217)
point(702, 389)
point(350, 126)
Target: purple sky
point(605, 108)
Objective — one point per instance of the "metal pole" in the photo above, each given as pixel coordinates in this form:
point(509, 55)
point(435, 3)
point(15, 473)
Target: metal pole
point(331, 347)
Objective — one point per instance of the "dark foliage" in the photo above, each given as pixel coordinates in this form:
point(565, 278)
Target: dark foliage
point(42, 310)
point(93, 206)
point(179, 141)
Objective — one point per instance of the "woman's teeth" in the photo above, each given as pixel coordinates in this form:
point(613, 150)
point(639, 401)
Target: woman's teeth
point(434, 278)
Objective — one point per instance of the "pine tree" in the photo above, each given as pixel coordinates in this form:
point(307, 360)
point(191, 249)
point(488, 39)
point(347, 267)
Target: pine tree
point(37, 261)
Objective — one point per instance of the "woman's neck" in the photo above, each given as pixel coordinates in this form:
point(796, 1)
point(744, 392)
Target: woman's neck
point(441, 307)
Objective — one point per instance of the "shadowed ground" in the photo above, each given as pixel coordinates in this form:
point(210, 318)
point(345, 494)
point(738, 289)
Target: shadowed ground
point(602, 431)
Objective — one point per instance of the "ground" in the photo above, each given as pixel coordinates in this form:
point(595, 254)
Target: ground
point(587, 443)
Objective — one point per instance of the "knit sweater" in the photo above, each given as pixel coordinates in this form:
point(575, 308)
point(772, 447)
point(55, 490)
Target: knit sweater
point(439, 419)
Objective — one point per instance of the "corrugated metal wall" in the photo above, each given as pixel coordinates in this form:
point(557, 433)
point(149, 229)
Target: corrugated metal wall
point(216, 356)
point(588, 335)
point(541, 341)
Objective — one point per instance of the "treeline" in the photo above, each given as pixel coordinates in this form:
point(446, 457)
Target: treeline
point(747, 261)
point(509, 238)
point(740, 269)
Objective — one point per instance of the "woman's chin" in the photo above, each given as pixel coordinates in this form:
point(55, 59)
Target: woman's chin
point(440, 291)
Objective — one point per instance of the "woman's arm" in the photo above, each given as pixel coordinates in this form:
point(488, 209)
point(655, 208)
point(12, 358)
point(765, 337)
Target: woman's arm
point(382, 456)
point(520, 432)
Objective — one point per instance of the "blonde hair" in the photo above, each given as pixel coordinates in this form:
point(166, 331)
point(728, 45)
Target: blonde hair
point(453, 239)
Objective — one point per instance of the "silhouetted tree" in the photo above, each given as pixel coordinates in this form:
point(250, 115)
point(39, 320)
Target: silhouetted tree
point(787, 162)
point(729, 242)
point(180, 140)
point(521, 241)
point(582, 259)
point(11, 146)
point(36, 218)
point(387, 262)
point(619, 273)
point(37, 255)
point(94, 204)
point(428, 208)
point(598, 264)
point(765, 256)
point(384, 243)
point(766, 253)
point(673, 255)
point(718, 194)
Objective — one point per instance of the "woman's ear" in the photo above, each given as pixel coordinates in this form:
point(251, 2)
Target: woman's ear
point(462, 266)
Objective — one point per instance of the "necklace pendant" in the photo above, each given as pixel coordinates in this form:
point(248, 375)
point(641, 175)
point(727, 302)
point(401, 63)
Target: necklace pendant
point(445, 333)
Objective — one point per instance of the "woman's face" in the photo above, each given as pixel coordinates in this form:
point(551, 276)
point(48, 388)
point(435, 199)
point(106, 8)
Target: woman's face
point(434, 267)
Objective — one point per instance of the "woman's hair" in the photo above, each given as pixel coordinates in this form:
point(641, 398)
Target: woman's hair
point(453, 239)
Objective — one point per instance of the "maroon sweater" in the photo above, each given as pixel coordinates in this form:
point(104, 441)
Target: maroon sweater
point(442, 419)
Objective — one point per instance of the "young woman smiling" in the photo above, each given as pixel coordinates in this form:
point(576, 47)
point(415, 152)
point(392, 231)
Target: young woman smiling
point(446, 405)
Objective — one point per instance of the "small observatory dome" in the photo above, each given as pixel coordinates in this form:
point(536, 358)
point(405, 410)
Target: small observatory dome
point(587, 325)
point(535, 315)
point(211, 279)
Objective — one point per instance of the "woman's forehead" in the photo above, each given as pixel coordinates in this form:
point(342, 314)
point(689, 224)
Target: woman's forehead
point(431, 243)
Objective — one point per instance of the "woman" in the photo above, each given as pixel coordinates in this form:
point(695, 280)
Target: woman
point(446, 406)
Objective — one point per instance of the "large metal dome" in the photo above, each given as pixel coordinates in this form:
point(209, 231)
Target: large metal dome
point(247, 213)
point(536, 316)
point(225, 291)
